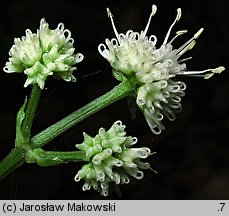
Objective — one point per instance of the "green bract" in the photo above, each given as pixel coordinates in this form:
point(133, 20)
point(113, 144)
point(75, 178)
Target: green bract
point(47, 52)
point(112, 159)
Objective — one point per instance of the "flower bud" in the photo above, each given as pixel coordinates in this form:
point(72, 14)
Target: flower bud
point(112, 159)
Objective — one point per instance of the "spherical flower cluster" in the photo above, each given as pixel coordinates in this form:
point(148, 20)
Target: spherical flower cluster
point(112, 159)
point(47, 52)
point(137, 57)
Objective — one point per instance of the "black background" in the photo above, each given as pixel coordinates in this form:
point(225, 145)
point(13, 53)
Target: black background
point(192, 157)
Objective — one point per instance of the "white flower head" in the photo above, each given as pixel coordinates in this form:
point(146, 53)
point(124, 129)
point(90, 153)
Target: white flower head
point(138, 58)
point(112, 159)
point(47, 52)
point(129, 52)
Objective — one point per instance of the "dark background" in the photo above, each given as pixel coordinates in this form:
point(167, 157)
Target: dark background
point(192, 157)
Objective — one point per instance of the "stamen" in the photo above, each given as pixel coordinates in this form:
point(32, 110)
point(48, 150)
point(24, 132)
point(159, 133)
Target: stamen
point(153, 170)
point(112, 22)
point(174, 22)
point(196, 36)
point(217, 70)
point(152, 153)
point(185, 59)
point(178, 33)
point(181, 32)
point(189, 47)
point(203, 72)
point(193, 72)
point(154, 10)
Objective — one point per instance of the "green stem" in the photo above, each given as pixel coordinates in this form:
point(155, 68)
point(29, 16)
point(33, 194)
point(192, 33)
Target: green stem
point(23, 128)
point(71, 156)
point(53, 158)
point(31, 110)
point(12, 161)
point(122, 90)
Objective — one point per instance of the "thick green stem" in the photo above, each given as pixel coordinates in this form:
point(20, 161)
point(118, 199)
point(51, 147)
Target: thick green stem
point(30, 111)
point(23, 128)
point(13, 160)
point(122, 90)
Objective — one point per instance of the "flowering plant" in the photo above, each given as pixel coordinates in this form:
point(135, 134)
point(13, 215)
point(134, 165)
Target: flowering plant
point(153, 69)
point(147, 72)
